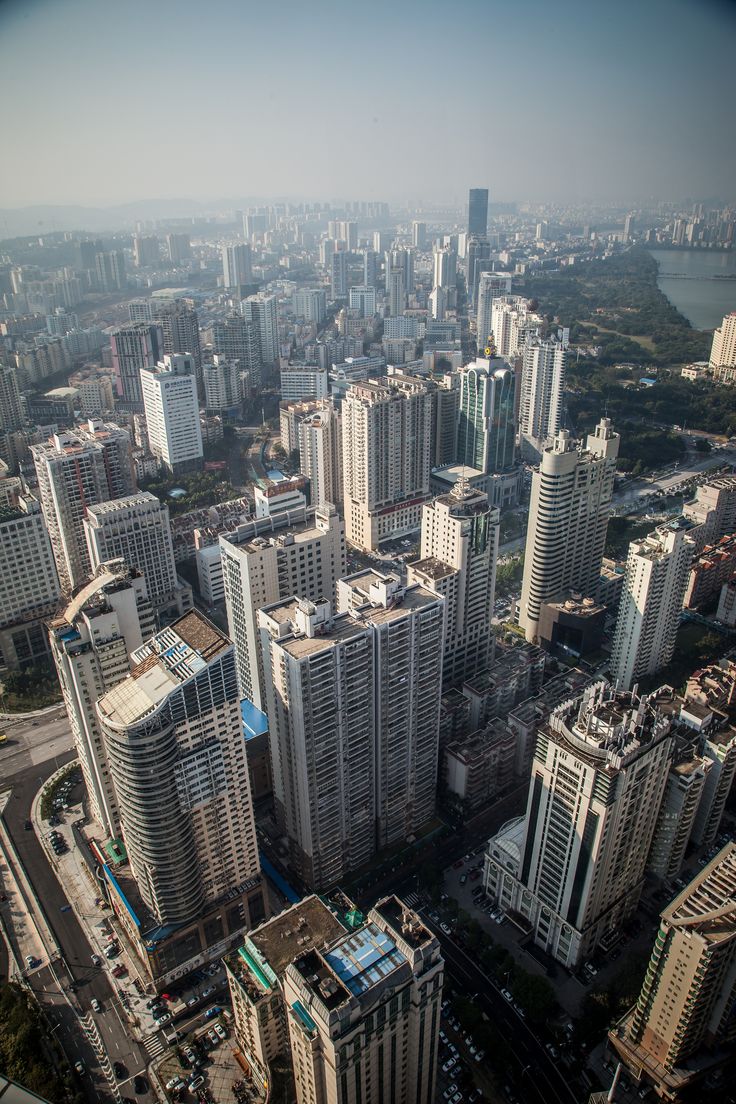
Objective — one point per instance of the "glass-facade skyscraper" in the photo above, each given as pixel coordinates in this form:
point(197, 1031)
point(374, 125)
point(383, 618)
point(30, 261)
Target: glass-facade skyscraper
point(486, 421)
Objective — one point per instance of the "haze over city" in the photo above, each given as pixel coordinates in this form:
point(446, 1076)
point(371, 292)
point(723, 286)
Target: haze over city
point(109, 103)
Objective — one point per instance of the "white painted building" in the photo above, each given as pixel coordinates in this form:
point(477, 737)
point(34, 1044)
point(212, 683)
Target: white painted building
point(172, 413)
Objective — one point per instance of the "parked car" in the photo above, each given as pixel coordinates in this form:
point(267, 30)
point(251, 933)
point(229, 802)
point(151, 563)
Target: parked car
point(507, 996)
point(221, 1031)
point(162, 1019)
point(96, 1006)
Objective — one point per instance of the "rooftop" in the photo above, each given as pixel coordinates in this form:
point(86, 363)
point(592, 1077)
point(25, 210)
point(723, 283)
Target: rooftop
point(432, 568)
point(310, 923)
point(708, 904)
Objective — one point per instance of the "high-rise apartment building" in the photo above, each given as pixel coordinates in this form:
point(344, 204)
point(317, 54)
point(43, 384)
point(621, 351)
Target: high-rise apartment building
point(682, 1028)
point(110, 271)
point(172, 413)
point(11, 411)
point(444, 261)
point(363, 299)
point(573, 867)
point(419, 235)
point(268, 559)
point(75, 470)
point(396, 291)
point(542, 390)
point(512, 324)
point(263, 310)
point(29, 582)
point(477, 260)
point(223, 385)
point(486, 426)
point(723, 350)
point(145, 250)
point(478, 212)
point(179, 248)
point(134, 347)
point(386, 449)
point(459, 549)
point(173, 734)
point(568, 518)
point(339, 270)
point(366, 681)
point(178, 322)
point(236, 338)
point(91, 642)
point(651, 603)
point(371, 266)
point(310, 304)
point(491, 285)
point(300, 987)
point(136, 529)
point(320, 455)
point(237, 265)
point(402, 259)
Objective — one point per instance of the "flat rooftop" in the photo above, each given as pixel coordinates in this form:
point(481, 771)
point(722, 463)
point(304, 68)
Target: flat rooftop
point(404, 921)
point(282, 939)
point(432, 568)
point(364, 958)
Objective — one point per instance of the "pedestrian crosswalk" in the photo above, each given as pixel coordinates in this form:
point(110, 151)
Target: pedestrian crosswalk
point(154, 1045)
point(411, 899)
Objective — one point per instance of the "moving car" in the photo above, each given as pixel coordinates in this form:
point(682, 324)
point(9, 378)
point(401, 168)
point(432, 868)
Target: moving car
point(96, 1006)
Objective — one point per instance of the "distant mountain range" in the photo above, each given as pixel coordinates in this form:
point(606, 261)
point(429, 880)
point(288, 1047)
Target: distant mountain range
point(23, 221)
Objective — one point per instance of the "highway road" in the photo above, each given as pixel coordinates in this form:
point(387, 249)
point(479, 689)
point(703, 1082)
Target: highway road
point(74, 968)
point(33, 739)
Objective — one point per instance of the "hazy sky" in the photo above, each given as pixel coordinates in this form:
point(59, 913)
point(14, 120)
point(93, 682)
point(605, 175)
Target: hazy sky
point(106, 102)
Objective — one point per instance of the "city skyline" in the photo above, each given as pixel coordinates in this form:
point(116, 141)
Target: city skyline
point(608, 117)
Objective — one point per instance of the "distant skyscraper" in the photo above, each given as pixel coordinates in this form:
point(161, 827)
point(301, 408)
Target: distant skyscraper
point(339, 280)
point(401, 259)
point(445, 267)
point(386, 447)
point(459, 548)
point(29, 582)
point(438, 303)
point(179, 248)
point(477, 260)
point(490, 286)
point(386, 654)
point(145, 251)
point(91, 642)
point(263, 310)
point(573, 867)
point(320, 455)
point(419, 235)
point(396, 291)
point(568, 519)
point(75, 470)
point(135, 346)
point(236, 338)
point(237, 268)
point(723, 349)
point(178, 322)
point(628, 227)
point(223, 386)
point(110, 270)
point(478, 212)
point(188, 823)
point(363, 299)
point(347, 231)
point(172, 413)
point(370, 267)
point(11, 411)
point(486, 428)
point(310, 304)
point(542, 390)
point(512, 324)
point(651, 603)
point(682, 1028)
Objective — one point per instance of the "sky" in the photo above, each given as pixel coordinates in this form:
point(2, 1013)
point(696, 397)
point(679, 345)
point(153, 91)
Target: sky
point(570, 101)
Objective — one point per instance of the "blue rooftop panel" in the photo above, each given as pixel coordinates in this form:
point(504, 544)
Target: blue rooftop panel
point(364, 958)
point(255, 723)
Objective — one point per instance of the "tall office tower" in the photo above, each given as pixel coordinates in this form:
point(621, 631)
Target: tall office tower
point(91, 642)
point(110, 271)
point(402, 259)
point(438, 303)
point(371, 266)
point(478, 212)
point(29, 582)
point(327, 249)
point(490, 286)
point(75, 470)
point(310, 304)
point(477, 260)
point(568, 519)
point(179, 248)
point(363, 299)
point(368, 682)
point(651, 603)
point(445, 395)
point(236, 338)
point(237, 265)
point(486, 425)
point(682, 1028)
point(320, 455)
point(419, 235)
point(254, 223)
point(268, 559)
point(188, 823)
point(347, 231)
point(281, 1006)
point(11, 411)
point(263, 309)
point(145, 251)
point(628, 227)
point(542, 390)
point(445, 267)
point(135, 346)
point(382, 240)
point(178, 322)
point(386, 431)
point(223, 385)
point(172, 413)
point(459, 549)
point(135, 529)
point(339, 275)
point(573, 867)
point(396, 291)
point(723, 349)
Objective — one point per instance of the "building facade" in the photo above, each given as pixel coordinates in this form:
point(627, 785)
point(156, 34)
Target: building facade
point(172, 413)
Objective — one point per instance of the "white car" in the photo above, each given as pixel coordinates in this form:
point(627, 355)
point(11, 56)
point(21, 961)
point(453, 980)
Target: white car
point(220, 1031)
point(161, 1020)
point(507, 996)
point(96, 1006)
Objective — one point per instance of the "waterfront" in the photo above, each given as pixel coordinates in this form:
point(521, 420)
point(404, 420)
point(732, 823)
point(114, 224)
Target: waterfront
point(702, 299)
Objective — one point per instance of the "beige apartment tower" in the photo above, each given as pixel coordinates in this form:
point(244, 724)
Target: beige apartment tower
point(568, 518)
point(386, 435)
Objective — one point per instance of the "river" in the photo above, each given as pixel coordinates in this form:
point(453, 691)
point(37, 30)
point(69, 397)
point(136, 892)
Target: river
point(702, 300)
